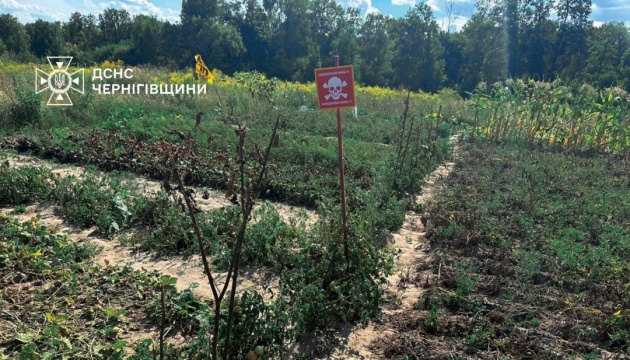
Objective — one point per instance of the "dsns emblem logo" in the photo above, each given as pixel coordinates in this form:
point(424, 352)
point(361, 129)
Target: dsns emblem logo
point(59, 81)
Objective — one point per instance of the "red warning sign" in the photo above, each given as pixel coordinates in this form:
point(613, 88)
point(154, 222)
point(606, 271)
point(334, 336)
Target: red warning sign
point(335, 87)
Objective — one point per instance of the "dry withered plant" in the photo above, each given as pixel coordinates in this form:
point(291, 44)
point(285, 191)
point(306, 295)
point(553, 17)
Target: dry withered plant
point(246, 182)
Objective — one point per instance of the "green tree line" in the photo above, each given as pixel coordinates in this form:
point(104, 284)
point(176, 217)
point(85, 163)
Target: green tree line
point(287, 39)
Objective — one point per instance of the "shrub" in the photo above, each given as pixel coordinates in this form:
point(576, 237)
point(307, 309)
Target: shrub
point(22, 185)
point(94, 201)
point(27, 109)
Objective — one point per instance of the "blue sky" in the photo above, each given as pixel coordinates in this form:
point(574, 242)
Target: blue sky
point(30, 10)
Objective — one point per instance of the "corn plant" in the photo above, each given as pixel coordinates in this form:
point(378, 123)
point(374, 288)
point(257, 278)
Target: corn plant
point(578, 118)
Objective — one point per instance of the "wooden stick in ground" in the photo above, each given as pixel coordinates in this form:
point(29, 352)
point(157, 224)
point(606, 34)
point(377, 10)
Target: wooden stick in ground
point(162, 322)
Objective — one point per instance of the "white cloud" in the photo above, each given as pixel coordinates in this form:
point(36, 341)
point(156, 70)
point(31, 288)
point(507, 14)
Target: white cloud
point(136, 7)
point(89, 4)
point(31, 12)
point(404, 2)
point(60, 10)
point(598, 23)
point(457, 22)
point(364, 5)
point(433, 4)
point(14, 5)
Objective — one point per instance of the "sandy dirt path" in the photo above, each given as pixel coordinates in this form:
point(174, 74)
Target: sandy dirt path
point(412, 248)
point(187, 270)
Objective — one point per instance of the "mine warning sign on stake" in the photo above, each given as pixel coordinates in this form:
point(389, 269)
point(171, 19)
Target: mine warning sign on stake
point(335, 87)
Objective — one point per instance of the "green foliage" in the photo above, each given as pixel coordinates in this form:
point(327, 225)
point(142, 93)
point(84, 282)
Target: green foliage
point(24, 184)
point(260, 323)
point(618, 332)
point(376, 50)
point(94, 200)
point(418, 51)
point(48, 318)
point(115, 26)
point(220, 43)
point(501, 40)
point(464, 286)
point(146, 36)
point(433, 301)
point(46, 38)
point(269, 241)
point(479, 338)
point(170, 231)
point(578, 118)
point(13, 35)
point(326, 290)
point(538, 228)
point(605, 61)
point(35, 250)
point(444, 130)
point(27, 109)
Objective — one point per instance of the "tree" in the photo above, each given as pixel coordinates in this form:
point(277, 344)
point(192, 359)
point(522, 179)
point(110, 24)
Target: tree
point(221, 44)
point(194, 15)
point(624, 68)
point(146, 37)
point(13, 35)
point(328, 22)
point(115, 26)
point(172, 52)
point(81, 30)
point(193, 10)
point(376, 50)
point(418, 59)
point(46, 38)
point(573, 27)
point(510, 24)
point(606, 48)
point(344, 42)
point(453, 44)
point(484, 47)
point(74, 27)
point(296, 53)
point(253, 27)
point(536, 38)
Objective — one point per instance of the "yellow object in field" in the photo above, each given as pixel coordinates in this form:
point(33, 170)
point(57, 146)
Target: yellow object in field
point(200, 68)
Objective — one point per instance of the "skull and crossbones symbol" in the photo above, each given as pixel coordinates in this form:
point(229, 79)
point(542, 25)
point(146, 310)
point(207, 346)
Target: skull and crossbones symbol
point(334, 86)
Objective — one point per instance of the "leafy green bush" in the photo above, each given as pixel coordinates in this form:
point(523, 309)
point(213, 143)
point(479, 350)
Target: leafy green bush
point(444, 130)
point(270, 240)
point(94, 200)
point(169, 229)
point(24, 184)
point(35, 249)
point(326, 288)
point(27, 109)
point(260, 323)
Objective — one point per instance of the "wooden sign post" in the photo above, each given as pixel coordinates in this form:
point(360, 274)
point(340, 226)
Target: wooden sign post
point(335, 90)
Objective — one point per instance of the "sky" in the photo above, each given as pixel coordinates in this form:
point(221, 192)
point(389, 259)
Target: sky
point(60, 10)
